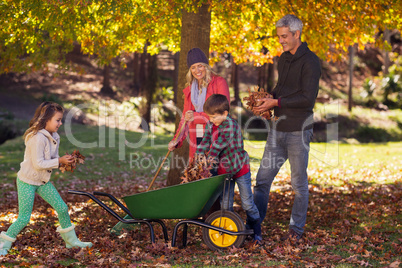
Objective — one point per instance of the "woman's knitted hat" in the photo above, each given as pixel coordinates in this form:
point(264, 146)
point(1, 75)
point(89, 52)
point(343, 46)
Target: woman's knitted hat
point(196, 55)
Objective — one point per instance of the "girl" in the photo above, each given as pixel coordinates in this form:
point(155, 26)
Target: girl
point(40, 157)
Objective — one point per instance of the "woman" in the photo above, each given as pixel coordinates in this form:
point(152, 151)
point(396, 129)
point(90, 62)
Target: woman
point(202, 82)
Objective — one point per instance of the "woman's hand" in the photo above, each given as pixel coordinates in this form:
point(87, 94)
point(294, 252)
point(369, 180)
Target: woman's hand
point(189, 116)
point(172, 145)
point(66, 159)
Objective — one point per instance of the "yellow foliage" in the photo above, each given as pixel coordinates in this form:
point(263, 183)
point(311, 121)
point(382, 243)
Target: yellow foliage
point(244, 28)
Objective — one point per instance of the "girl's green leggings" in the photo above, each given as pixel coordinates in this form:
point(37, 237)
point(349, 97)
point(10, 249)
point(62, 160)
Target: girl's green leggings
point(26, 195)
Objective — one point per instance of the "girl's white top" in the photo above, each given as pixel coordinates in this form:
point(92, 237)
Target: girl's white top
point(40, 157)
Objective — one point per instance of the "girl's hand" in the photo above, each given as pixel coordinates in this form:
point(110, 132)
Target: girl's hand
point(189, 116)
point(66, 159)
point(172, 145)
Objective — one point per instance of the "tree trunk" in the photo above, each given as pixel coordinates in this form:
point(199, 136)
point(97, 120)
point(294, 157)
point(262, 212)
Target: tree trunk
point(270, 77)
point(136, 77)
point(387, 38)
point(150, 87)
point(195, 32)
point(351, 56)
point(265, 76)
point(106, 88)
point(235, 83)
point(176, 58)
point(260, 76)
point(143, 71)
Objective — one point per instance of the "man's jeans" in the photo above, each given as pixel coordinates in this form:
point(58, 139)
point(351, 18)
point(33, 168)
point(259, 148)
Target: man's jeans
point(246, 195)
point(280, 147)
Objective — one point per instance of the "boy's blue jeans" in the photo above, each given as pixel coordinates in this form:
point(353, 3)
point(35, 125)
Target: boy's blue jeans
point(246, 195)
point(282, 146)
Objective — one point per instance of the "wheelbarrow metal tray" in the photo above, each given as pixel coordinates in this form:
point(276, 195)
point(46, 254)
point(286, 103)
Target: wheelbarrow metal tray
point(183, 201)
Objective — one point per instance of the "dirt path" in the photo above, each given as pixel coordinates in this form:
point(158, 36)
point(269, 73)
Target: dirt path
point(20, 94)
point(21, 107)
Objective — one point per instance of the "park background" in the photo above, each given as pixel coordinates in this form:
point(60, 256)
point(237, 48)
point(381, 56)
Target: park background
point(120, 62)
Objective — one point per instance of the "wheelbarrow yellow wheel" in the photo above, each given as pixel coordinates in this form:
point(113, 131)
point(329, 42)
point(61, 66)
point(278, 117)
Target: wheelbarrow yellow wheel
point(227, 220)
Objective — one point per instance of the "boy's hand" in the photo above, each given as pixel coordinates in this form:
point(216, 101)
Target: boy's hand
point(213, 161)
point(172, 145)
point(66, 159)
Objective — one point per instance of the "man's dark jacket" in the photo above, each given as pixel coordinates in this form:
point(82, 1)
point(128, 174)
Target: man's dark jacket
point(297, 89)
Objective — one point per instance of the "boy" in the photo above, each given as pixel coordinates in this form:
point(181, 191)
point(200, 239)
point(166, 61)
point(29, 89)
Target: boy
point(224, 141)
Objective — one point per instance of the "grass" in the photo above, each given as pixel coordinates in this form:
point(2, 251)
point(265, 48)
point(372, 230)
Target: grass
point(333, 122)
point(361, 124)
point(104, 149)
point(354, 188)
point(344, 162)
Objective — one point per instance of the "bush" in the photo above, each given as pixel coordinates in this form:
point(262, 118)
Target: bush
point(8, 130)
point(4, 114)
point(51, 97)
point(392, 84)
point(9, 127)
point(367, 94)
point(372, 134)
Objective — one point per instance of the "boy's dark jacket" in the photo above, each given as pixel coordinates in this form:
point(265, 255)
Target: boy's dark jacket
point(227, 149)
point(297, 89)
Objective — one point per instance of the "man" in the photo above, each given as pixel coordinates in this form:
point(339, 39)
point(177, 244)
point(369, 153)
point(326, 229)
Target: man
point(289, 137)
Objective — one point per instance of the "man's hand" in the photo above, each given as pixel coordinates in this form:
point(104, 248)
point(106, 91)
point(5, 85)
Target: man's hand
point(267, 104)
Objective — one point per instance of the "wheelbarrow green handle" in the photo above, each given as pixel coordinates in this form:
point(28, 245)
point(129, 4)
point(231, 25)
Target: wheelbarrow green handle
point(100, 203)
point(114, 199)
point(114, 214)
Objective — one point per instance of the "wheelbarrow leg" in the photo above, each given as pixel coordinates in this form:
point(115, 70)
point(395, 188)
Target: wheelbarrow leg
point(185, 229)
point(175, 233)
point(151, 230)
point(206, 225)
point(164, 229)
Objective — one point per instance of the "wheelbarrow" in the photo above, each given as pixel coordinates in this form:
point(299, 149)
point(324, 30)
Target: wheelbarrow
point(187, 202)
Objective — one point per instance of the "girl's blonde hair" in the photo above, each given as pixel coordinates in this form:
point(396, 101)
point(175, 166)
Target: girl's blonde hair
point(205, 81)
point(45, 111)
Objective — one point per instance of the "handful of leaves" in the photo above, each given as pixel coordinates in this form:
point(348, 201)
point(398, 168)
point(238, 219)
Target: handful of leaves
point(251, 101)
point(78, 159)
point(199, 168)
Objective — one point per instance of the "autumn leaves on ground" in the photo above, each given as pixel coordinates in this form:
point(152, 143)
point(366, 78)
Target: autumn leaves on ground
point(354, 216)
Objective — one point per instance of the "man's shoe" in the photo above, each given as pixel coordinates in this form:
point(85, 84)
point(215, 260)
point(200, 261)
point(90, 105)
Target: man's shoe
point(257, 240)
point(257, 236)
point(292, 235)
